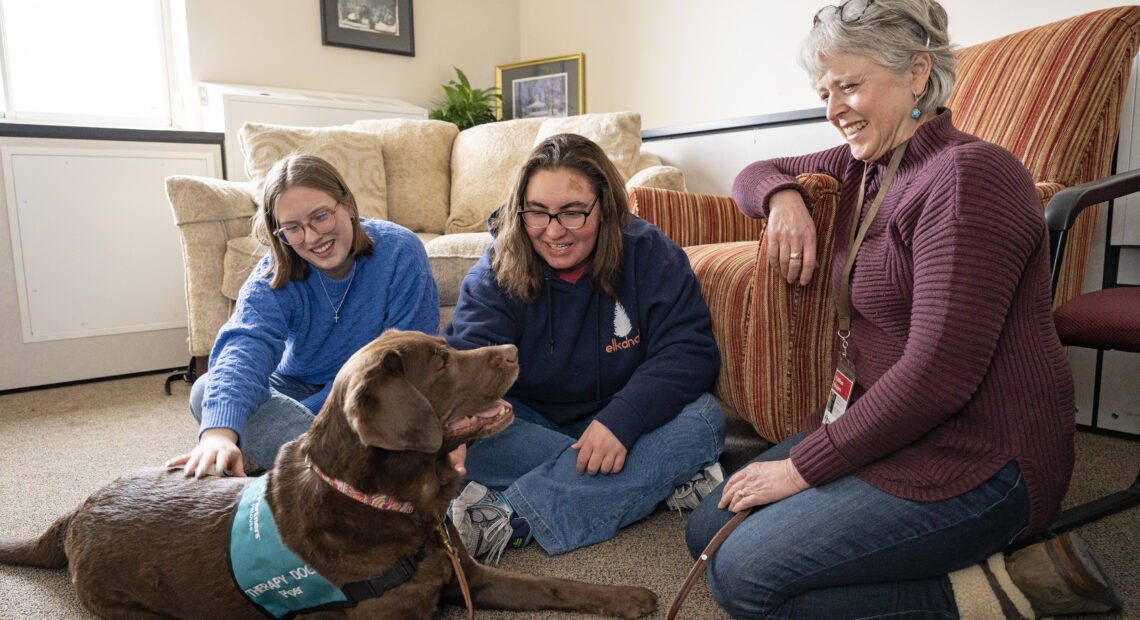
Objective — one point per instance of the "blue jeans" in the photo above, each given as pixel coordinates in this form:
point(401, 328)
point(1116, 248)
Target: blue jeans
point(532, 460)
point(274, 423)
point(848, 550)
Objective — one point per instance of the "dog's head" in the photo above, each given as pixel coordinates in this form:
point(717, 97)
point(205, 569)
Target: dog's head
point(410, 391)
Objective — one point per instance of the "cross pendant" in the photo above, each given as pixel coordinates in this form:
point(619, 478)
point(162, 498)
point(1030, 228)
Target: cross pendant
point(336, 317)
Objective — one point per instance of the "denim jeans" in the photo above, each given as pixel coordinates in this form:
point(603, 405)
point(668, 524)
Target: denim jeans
point(532, 460)
point(274, 423)
point(848, 550)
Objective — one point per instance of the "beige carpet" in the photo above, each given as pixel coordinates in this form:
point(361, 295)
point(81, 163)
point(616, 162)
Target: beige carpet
point(61, 444)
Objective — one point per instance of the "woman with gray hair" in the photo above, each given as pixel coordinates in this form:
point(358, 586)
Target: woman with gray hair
point(948, 435)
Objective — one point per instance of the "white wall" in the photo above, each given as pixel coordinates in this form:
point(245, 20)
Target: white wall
point(680, 62)
point(278, 43)
point(675, 61)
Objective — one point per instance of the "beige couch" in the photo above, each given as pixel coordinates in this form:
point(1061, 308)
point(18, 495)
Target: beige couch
point(428, 176)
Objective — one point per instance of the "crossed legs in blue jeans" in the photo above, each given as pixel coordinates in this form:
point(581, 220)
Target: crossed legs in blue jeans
point(848, 550)
point(277, 421)
point(532, 460)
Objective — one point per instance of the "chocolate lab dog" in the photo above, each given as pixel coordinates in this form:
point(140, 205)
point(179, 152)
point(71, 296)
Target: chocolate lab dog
point(358, 501)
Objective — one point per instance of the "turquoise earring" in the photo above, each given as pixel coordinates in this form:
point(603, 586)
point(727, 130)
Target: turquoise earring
point(915, 113)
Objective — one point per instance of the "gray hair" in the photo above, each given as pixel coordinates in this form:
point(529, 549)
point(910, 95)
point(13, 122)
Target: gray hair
point(889, 33)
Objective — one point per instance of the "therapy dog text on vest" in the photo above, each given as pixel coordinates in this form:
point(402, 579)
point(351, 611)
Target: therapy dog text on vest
point(271, 575)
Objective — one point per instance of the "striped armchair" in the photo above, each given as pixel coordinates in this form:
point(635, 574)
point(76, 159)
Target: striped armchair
point(1051, 95)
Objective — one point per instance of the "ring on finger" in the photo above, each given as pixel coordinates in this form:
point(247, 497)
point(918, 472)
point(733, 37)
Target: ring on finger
point(741, 493)
point(794, 256)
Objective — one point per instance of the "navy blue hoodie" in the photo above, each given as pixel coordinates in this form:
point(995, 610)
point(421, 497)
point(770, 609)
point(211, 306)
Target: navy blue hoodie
point(633, 363)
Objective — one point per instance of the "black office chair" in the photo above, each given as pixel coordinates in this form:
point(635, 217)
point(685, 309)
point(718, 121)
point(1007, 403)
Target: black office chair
point(1108, 319)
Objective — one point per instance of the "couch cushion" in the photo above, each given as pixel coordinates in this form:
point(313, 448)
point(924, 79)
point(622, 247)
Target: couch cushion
point(618, 133)
point(417, 167)
point(484, 161)
point(451, 257)
point(356, 154)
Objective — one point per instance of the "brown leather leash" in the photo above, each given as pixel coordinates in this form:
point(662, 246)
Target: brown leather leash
point(699, 566)
point(454, 555)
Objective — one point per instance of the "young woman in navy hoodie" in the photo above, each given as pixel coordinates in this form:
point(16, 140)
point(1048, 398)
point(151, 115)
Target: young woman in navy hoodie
point(616, 355)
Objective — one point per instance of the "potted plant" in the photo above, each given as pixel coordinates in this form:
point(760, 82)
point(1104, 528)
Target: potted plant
point(466, 106)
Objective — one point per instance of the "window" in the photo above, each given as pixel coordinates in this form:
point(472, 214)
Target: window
point(86, 62)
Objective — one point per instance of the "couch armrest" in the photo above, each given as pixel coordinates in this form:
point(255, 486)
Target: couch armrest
point(660, 177)
point(776, 340)
point(694, 219)
point(208, 212)
point(646, 159)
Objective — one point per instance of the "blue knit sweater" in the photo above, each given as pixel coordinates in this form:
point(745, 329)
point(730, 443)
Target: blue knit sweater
point(633, 363)
point(291, 330)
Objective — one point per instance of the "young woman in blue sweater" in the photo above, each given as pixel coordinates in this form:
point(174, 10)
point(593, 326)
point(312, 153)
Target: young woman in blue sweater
point(616, 354)
point(331, 283)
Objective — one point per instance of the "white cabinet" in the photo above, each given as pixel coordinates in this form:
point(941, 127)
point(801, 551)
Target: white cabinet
point(91, 275)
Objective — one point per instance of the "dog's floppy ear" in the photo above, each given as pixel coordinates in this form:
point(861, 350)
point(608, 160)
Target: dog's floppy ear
point(386, 411)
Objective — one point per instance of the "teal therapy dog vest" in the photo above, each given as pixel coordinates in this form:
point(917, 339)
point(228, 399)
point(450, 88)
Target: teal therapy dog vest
point(278, 582)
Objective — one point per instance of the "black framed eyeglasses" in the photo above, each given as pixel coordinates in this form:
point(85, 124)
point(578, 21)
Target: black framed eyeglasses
point(570, 220)
point(322, 222)
point(849, 12)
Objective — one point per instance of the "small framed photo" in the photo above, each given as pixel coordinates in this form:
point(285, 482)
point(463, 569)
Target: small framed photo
point(374, 25)
point(547, 87)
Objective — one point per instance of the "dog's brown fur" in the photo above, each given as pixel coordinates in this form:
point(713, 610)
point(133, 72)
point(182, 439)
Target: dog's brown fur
point(152, 543)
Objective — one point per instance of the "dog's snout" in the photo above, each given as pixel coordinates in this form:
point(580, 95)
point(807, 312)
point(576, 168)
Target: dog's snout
point(509, 354)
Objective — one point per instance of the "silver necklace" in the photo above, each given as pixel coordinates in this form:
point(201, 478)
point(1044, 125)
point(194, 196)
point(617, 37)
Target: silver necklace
point(336, 308)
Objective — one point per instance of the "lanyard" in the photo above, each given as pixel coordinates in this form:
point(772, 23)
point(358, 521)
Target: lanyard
point(843, 304)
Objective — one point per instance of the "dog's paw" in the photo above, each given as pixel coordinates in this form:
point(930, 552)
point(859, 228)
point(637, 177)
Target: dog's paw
point(634, 603)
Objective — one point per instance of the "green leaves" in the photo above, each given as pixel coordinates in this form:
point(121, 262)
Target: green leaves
point(466, 106)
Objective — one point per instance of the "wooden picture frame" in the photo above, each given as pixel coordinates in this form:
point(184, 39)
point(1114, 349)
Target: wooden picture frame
point(546, 87)
point(373, 25)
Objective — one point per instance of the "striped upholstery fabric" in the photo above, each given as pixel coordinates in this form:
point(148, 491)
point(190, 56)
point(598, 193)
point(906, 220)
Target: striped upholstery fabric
point(693, 219)
point(1046, 191)
point(775, 339)
point(791, 330)
point(1052, 96)
point(727, 273)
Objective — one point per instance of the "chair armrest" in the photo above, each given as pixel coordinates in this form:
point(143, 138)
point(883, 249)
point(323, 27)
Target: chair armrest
point(693, 219)
point(776, 339)
point(209, 213)
point(1062, 211)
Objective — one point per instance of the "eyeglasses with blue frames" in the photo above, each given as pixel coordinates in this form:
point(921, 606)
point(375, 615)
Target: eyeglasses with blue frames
point(322, 222)
point(849, 12)
point(570, 220)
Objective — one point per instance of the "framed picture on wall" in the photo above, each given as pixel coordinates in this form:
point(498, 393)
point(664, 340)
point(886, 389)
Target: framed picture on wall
point(546, 87)
point(374, 25)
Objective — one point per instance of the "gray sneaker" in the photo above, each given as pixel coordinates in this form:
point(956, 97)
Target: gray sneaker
point(483, 518)
point(689, 494)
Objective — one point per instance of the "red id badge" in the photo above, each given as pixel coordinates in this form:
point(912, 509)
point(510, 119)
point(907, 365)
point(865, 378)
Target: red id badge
point(841, 387)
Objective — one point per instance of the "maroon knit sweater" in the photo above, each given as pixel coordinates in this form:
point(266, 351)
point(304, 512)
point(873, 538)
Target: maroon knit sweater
point(958, 365)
